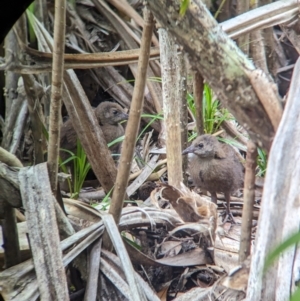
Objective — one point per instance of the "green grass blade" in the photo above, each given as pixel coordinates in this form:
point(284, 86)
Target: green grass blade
point(183, 7)
point(291, 241)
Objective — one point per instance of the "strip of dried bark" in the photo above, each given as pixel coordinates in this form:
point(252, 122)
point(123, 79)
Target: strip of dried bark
point(43, 232)
point(263, 17)
point(93, 268)
point(102, 59)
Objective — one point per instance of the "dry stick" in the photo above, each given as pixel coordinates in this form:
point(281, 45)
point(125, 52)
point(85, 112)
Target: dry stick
point(11, 79)
point(94, 268)
point(41, 11)
point(292, 33)
point(171, 106)
point(34, 109)
point(9, 159)
point(56, 95)
point(243, 41)
point(270, 46)
point(16, 111)
point(198, 87)
point(126, 8)
point(182, 82)
point(257, 46)
point(11, 243)
point(249, 196)
point(132, 126)
point(9, 225)
point(257, 50)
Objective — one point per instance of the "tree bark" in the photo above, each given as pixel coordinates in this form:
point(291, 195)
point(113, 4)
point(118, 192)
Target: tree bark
point(280, 210)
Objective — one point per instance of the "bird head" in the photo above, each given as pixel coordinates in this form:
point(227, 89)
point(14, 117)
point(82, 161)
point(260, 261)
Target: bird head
point(205, 146)
point(110, 113)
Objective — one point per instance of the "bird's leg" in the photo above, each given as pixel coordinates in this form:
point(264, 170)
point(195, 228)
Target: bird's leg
point(228, 214)
point(213, 197)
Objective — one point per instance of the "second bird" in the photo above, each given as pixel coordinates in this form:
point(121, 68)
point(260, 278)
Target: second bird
point(215, 167)
point(109, 116)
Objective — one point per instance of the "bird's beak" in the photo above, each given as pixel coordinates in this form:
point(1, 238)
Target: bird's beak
point(124, 116)
point(190, 149)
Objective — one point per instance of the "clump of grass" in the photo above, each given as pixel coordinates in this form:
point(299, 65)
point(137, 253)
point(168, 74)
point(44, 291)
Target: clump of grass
point(81, 167)
point(213, 114)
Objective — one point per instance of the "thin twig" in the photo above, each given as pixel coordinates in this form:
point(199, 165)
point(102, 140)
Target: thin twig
point(198, 86)
point(249, 196)
point(132, 125)
point(56, 95)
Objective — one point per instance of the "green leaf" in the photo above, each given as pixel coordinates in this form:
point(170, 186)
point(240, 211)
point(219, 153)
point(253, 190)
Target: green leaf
point(130, 242)
point(183, 7)
point(291, 241)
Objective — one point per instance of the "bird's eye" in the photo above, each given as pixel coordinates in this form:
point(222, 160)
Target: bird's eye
point(115, 112)
point(200, 145)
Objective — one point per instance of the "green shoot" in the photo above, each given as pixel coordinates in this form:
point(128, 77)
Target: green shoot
point(292, 241)
point(261, 162)
point(130, 242)
point(81, 168)
point(103, 206)
point(191, 103)
point(192, 136)
point(31, 9)
point(183, 7)
point(213, 116)
point(154, 117)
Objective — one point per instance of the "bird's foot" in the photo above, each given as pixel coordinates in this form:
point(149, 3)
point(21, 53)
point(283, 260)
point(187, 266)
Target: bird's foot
point(227, 217)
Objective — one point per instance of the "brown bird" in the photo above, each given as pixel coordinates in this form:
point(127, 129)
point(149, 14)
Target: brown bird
point(109, 115)
point(215, 167)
